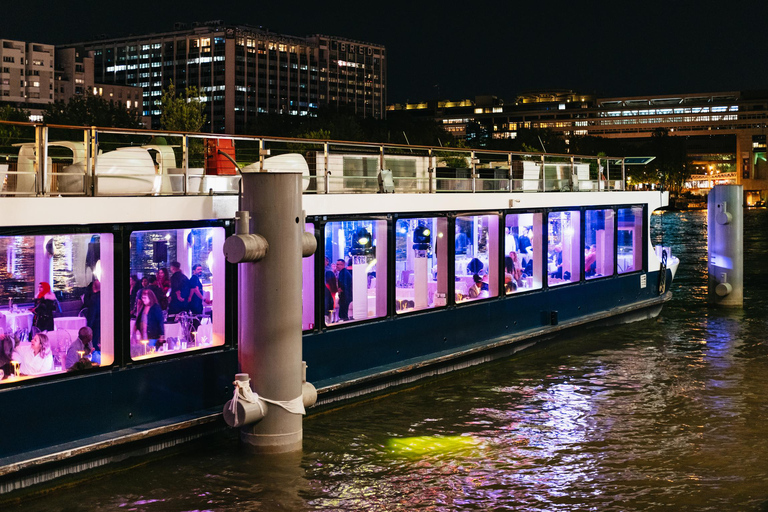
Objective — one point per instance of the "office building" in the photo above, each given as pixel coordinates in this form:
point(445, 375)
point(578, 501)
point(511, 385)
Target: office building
point(242, 72)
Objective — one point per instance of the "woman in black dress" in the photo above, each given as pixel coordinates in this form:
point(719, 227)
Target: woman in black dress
point(45, 305)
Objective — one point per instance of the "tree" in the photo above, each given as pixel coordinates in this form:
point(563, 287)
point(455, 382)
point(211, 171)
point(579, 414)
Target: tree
point(181, 113)
point(91, 110)
point(10, 133)
point(671, 161)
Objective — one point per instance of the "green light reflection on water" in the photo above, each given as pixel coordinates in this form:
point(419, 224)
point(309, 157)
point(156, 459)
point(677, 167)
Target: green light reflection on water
point(420, 446)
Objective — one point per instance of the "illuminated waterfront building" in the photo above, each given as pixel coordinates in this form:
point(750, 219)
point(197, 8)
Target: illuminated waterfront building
point(726, 131)
point(245, 71)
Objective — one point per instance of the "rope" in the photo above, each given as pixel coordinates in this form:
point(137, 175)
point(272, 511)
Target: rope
point(244, 392)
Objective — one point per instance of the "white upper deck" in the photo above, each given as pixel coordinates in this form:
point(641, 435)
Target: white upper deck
point(65, 175)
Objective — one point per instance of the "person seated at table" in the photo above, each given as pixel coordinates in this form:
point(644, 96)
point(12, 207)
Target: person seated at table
point(34, 357)
point(6, 353)
point(475, 289)
point(80, 348)
point(149, 320)
point(45, 305)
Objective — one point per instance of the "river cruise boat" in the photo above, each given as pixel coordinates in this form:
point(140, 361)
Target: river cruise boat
point(118, 310)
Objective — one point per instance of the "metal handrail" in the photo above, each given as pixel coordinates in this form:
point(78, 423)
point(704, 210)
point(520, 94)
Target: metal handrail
point(327, 177)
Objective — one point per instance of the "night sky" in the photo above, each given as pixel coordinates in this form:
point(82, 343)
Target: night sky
point(458, 50)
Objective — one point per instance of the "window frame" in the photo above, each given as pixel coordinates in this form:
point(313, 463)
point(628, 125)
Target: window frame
point(229, 328)
point(499, 256)
point(82, 230)
point(393, 258)
point(320, 224)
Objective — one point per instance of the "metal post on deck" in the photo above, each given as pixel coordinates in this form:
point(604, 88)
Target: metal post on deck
point(185, 162)
point(327, 173)
point(725, 242)
point(623, 174)
point(41, 143)
point(430, 170)
point(270, 305)
point(90, 167)
point(474, 171)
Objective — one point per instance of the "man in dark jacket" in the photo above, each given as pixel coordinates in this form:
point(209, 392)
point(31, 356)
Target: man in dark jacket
point(345, 289)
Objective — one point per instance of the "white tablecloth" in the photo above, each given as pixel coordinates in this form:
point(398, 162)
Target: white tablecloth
point(19, 320)
point(69, 322)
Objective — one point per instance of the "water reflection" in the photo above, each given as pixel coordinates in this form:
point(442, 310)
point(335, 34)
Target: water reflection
point(667, 414)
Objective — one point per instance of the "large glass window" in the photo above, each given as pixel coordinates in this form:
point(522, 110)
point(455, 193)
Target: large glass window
point(176, 291)
point(522, 257)
point(476, 265)
point(356, 270)
point(630, 241)
point(56, 304)
point(563, 248)
point(420, 263)
point(598, 243)
point(308, 287)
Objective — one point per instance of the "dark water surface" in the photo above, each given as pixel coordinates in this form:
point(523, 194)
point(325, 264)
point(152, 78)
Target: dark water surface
point(666, 414)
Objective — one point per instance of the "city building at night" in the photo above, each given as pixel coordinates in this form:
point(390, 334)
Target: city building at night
point(33, 75)
point(725, 131)
point(244, 71)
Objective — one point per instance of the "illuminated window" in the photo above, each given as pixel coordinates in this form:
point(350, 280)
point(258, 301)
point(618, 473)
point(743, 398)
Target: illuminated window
point(308, 287)
point(522, 259)
point(476, 264)
point(176, 309)
point(355, 271)
point(69, 281)
point(420, 263)
point(630, 241)
point(598, 243)
point(563, 248)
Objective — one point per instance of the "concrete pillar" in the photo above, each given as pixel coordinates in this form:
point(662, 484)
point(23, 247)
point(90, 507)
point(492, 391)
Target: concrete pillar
point(725, 227)
point(269, 308)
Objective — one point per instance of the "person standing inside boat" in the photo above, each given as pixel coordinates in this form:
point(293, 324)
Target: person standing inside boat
point(195, 297)
point(45, 305)
point(164, 282)
point(345, 289)
point(92, 305)
point(35, 357)
point(331, 296)
point(149, 320)
point(179, 291)
point(135, 286)
point(162, 299)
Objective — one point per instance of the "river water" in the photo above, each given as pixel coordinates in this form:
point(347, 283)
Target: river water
point(665, 414)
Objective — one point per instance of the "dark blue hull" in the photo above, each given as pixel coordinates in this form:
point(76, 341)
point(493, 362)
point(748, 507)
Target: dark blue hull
point(337, 357)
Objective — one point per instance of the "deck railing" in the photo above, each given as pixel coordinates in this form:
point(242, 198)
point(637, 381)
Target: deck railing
point(50, 160)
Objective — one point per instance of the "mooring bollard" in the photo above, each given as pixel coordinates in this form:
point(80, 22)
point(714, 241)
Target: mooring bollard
point(269, 312)
point(725, 242)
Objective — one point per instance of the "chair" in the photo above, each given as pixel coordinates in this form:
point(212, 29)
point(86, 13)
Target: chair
point(386, 182)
